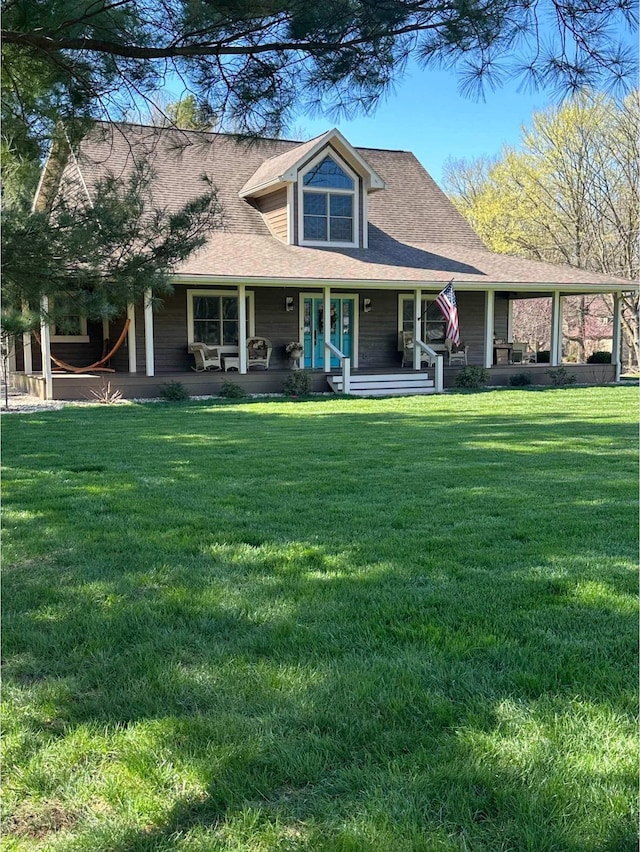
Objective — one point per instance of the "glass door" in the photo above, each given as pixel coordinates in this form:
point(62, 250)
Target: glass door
point(340, 329)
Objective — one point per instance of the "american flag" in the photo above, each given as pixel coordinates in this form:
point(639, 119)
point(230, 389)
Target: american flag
point(446, 301)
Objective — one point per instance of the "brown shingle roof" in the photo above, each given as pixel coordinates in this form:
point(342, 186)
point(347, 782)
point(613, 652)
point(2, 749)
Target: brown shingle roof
point(415, 233)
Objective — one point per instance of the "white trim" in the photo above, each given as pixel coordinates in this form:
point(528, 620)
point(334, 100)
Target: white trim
point(70, 338)
point(337, 141)
point(352, 193)
point(417, 324)
point(326, 330)
point(290, 216)
point(149, 355)
point(242, 328)
point(510, 321)
point(45, 349)
point(216, 292)
point(489, 333)
point(83, 337)
point(354, 298)
point(556, 329)
point(205, 280)
point(365, 219)
point(616, 358)
point(429, 296)
point(131, 339)
point(11, 358)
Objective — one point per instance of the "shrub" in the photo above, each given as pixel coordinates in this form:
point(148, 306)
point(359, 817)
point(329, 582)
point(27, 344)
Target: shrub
point(472, 378)
point(230, 390)
point(173, 392)
point(297, 383)
point(544, 356)
point(599, 357)
point(519, 380)
point(560, 377)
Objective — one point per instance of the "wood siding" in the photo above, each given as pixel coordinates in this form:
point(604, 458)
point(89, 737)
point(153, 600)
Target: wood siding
point(273, 208)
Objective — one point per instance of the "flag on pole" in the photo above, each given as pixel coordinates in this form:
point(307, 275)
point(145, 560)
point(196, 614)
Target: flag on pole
point(446, 301)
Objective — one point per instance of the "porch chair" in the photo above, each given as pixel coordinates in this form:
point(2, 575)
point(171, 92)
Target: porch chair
point(405, 344)
point(521, 354)
point(206, 357)
point(258, 352)
point(457, 355)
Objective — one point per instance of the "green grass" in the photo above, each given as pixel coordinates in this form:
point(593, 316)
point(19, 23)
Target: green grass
point(329, 625)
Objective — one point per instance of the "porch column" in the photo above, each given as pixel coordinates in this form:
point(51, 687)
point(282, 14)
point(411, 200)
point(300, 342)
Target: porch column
point(131, 339)
point(510, 321)
point(417, 318)
point(11, 358)
point(26, 345)
point(327, 328)
point(45, 338)
point(242, 328)
point(149, 355)
point(489, 315)
point(616, 354)
point(555, 356)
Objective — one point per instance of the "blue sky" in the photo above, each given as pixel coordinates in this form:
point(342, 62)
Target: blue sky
point(427, 115)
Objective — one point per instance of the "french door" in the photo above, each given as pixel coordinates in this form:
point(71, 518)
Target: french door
point(341, 328)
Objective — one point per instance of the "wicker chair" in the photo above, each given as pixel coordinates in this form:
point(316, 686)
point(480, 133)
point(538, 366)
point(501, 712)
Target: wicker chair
point(206, 357)
point(258, 352)
point(457, 354)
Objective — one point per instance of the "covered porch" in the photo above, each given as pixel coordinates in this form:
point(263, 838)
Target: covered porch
point(345, 329)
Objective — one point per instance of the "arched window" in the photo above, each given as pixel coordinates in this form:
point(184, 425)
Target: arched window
point(329, 206)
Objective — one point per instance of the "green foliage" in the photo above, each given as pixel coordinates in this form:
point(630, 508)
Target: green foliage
point(520, 380)
point(174, 391)
point(599, 357)
point(560, 377)
point(100, 256)
point(472, 378)
point(569, 194)
point(231, 390)
point(297, 383)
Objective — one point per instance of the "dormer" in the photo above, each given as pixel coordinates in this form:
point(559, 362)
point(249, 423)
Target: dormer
point(316, 193)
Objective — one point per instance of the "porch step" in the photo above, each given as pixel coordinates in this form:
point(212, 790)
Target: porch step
point(385, 384)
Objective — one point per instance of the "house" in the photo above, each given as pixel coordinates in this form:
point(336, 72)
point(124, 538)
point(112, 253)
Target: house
point(312, 230)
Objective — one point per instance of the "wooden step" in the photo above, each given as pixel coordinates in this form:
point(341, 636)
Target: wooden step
point(385, 384)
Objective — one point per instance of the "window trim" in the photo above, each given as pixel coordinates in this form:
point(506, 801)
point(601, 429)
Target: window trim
point(353, 193)
point(191, 294)
point(428, 298)
point(83, 337)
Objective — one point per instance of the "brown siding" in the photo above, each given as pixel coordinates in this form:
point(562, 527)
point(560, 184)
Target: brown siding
point(274, 212)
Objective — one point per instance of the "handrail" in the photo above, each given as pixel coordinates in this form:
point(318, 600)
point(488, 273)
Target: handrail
point(346, 365)
point(438, 360)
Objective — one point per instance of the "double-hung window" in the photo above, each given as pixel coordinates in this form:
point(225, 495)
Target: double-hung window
point(214, 317)
point(329, 203)
point(433, 326)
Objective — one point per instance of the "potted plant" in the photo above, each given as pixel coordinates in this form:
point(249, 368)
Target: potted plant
point(295, 351)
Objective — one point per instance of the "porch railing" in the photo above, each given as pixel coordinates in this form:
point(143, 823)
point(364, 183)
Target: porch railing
point(436, 359)
point(345, 363)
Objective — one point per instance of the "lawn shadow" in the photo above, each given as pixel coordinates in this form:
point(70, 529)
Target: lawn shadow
point(315, 638)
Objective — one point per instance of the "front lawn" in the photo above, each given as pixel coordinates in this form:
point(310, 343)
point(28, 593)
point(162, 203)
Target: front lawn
point(332, 625)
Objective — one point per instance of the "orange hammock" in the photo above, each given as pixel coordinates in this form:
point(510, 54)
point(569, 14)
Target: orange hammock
point(98, 365)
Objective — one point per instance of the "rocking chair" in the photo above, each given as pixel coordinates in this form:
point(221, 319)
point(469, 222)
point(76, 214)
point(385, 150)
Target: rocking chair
point(206, 357)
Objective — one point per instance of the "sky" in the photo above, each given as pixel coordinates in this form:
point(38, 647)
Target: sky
point(427, 115)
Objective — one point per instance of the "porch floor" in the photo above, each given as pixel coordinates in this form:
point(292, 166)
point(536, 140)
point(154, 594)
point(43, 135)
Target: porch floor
point(67, 386)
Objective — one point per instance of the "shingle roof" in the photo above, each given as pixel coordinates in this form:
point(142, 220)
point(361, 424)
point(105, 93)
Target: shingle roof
point(415, 233)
